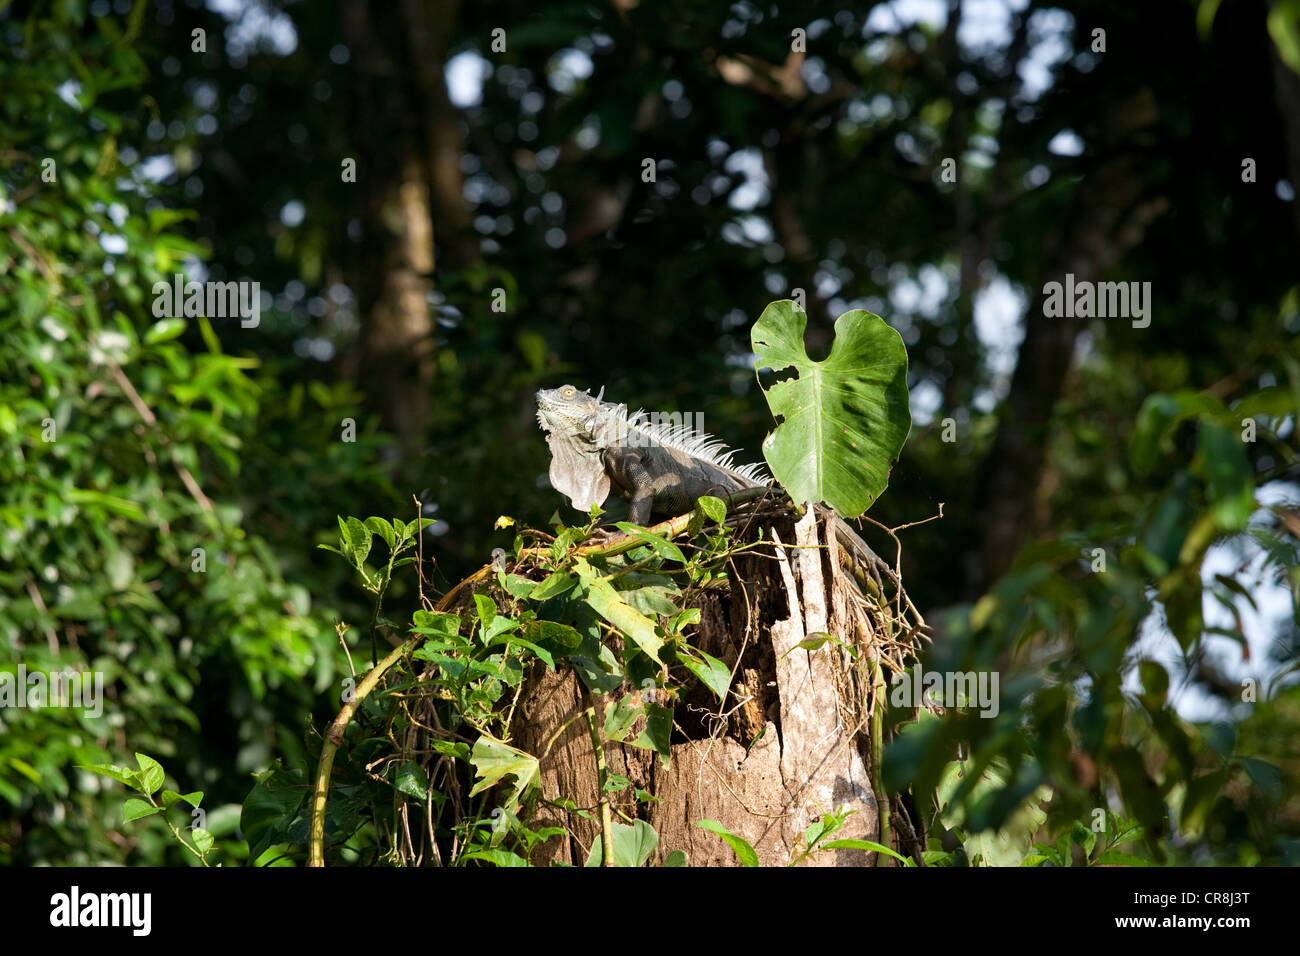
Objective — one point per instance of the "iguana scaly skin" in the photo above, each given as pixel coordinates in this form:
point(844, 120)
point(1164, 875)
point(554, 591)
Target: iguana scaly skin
point(597, 447)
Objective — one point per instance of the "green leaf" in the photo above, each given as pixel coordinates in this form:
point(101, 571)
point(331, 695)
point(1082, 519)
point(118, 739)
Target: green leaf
point(1044, 852)
point(383, 529)
point(683, 619)
point(498, 626)
point(1167, 525)
point(1229, 476)
point(1154, 419)
point(658, 732)
point(715, 509)
point(1141, 794)
point(998, 839)
point(652, 600)
point(113, 503)
point(452, 748)
point(1155, 681)
point(171, 798)
point(675, 858)
point(556, 584)
point(744, 852)
point(715, 675)
point(164, 331)
point(203, 840)
point(359, 536)
point(541, 653)
point(1284, 28)
point(1202, 793)
point(560, 638)
point(1085, 836)
point(1157, 420)
point(151, 773)
point(661, 546)
point(1275, 401)
point(615, 782)
point(121, 774)
point(493, 760)
point(412, 780)
point(606, 602)
point(814, 641)
point(487, 609)
point(519, 586)
point(271, 807)
point(436, 622)
point(940, 858)
point(133, 808)
point(26, 769)
point(620, 715)
point(843, 420)
point(595, 663)
point(496, 857)
point(850, 844)
point(633, 845)
point(1205, 12)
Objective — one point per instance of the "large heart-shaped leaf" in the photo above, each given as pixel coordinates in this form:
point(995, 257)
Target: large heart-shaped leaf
point(842, 420)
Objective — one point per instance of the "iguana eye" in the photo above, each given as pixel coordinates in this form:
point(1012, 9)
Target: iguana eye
point(569, 392)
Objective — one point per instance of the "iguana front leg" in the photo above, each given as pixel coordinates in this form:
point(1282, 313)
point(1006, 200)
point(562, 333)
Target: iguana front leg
point(633, 482)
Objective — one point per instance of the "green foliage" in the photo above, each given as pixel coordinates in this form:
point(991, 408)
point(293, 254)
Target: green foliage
point(1284, 28)
point(147, 781)
point(554, 608)
point(1073, 742)
point(744, 851)
point(139, 537)
point(817, 839)
point(1092, 850)
point(843, 420)
point(633, 845)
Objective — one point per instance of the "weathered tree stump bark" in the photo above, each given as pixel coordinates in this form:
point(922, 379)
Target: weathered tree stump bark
point(789, 744)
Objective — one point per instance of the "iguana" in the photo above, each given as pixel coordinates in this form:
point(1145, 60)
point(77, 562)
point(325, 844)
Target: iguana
point(596, 447)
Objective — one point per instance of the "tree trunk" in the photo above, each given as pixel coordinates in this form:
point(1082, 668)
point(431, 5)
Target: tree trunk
point(789, 744)
point(1110, 218)
point(408, 169)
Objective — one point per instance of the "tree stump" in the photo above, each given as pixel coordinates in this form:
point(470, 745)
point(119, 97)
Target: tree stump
point(789, 744)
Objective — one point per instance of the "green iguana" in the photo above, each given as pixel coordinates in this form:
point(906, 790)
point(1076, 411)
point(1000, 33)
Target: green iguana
point(659, 468)
point(596, 447)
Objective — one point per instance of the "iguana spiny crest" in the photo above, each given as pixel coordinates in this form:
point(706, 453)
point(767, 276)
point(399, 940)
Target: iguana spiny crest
point(660, 468)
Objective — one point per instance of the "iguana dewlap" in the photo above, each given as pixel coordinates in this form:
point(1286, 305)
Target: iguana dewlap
point(663, 469)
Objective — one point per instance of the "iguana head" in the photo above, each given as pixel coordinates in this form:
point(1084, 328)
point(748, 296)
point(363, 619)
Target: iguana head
point(566, 409)
point(570, 419)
